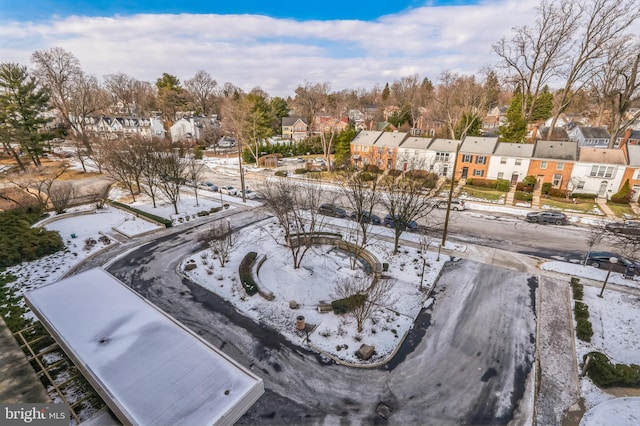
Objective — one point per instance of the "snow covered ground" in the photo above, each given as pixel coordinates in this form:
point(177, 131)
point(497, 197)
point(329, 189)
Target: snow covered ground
point(614, 317)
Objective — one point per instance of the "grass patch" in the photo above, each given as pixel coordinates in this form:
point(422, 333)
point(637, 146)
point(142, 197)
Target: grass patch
point(246, 278)
point(623, 211)
point(583, 206)
point(483, 193)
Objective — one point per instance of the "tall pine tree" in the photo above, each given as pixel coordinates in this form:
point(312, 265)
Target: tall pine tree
point(516, 127)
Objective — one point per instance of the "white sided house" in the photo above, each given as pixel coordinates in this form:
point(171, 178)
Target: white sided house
point(510, 161)
point(598, 171)
point(412, 154)
point(191, 129)
point(441, 156)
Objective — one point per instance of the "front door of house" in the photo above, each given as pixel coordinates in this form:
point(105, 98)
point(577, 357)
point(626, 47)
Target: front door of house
point(603, 189)
point(465, 172)
point(514, 179)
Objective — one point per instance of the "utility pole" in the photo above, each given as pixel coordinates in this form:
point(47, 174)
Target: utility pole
point(453, 178)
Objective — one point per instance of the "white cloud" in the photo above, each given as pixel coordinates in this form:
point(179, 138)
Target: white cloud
point(277, 54)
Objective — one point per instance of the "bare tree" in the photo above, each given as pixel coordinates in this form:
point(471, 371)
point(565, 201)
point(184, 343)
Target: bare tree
point(220, 238)
point(364, 297)
point(202, 90)
point(601, 22)
point(172, 170)
point(595, 235)
point(310, 99)
point(122, 89)
point(535, 53)
point(194, 172)
point(122, 164)
point(294, 206)
point(61, 195)
point(38, 182)
point(363, 197)
point(406, 202)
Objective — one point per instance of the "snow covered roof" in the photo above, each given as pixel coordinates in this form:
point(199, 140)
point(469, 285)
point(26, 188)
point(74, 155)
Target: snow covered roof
point(148, 367)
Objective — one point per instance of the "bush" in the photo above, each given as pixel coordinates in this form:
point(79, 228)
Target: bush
point(624, 195)
point(342, 306)
point(557, 193)
point(546, 187)
point(300, 171)
point(482, 183)
point(281, 173)
point(584, 331)
point(581, 310)
point(395, 173)
point(246, 278)
point(371, 168)
point(523, 196)
point(605, 374)
point(577, 288)
point(583, 195)
point(19, 242)
point(162, 220)
point(529, 181)
point(503, 185)
point(367, 176)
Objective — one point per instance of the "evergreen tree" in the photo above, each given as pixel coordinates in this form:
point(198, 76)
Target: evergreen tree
point(22, 102)
point(472, 124)
point(342, 151)
point(543, 107)
point(386, 92)
point(516, 127)
point(279, 109)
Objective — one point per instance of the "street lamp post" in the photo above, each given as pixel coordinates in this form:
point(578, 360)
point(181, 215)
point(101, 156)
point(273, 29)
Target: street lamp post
point(612, 261)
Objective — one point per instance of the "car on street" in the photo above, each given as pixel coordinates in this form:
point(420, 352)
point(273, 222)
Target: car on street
point(332, 210)
point(628, 227)
point(390, 221)
point(602, 259)
point(248, 193)
point(556, 218)
point(229, 190)
point(367, 217)
point(209, 186)
point(456, 204)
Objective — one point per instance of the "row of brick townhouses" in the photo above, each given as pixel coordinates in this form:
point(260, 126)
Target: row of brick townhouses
point(564, 164)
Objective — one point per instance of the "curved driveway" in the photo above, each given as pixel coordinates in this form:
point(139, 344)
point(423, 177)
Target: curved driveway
point(468, 359)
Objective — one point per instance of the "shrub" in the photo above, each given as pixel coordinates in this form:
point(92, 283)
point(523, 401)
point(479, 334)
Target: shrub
point(523, 188)
point(503, 185)
point(367, 176)
point(469, 181)
point(577, 288)
point(342, 306)
point(162, 220)
point(558, 193)
point(395, 172)
point(529, 181)
point(546, 187)
point(605, 374)
point(624, 195)
point(581, 311)
point(523, 196)
point(584, 331)
point(482, 183)
point(583, 195)
point(19, 242)
point(281, 173)
point(300, 171)
point(371, 168)
point(246, 278)
point(203, 213)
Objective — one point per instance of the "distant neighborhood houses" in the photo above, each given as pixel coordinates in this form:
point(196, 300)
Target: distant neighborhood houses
point(566, 165)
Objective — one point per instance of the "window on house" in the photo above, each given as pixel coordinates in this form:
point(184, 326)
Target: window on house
point(477, 172)
point(500, 175)
point(365, 149)
point(518, 162)
point(559, 166)
point(442, 156)
point(637, 174)
point(466, 158)
point(503, 160)
point(580, 184)
point(481, 159)
point(557, 179)
point(543, 164)
point(390, 151)
point(602, 171)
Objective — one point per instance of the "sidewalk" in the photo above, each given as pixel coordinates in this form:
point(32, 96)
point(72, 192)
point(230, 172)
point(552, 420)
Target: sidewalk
point(602, 203)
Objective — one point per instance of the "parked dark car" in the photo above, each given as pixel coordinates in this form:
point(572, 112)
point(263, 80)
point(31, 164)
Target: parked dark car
point(628, 227)
point(390, 221)
point(367, 218)
point(547, 217)
point(332, 210)
point(455, 204)
point(601, 259)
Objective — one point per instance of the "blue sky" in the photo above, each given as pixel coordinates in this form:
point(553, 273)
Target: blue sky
point(302, 10)
point(274, 45)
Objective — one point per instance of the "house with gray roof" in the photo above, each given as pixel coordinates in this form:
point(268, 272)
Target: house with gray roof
point(294, 128)
point(441, 156)
point(594, 137)
point(552, 162)
point(412, 154)
point(510, 161)
point(473, 159)
point(598, 171)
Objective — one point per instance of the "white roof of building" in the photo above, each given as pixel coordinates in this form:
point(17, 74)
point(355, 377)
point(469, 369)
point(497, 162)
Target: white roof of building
point(148, 367)
point(366, 137)
point(510, 149)
point(444, 145)
point(391, 139)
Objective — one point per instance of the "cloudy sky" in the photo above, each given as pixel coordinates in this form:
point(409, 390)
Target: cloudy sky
point(276, 45)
